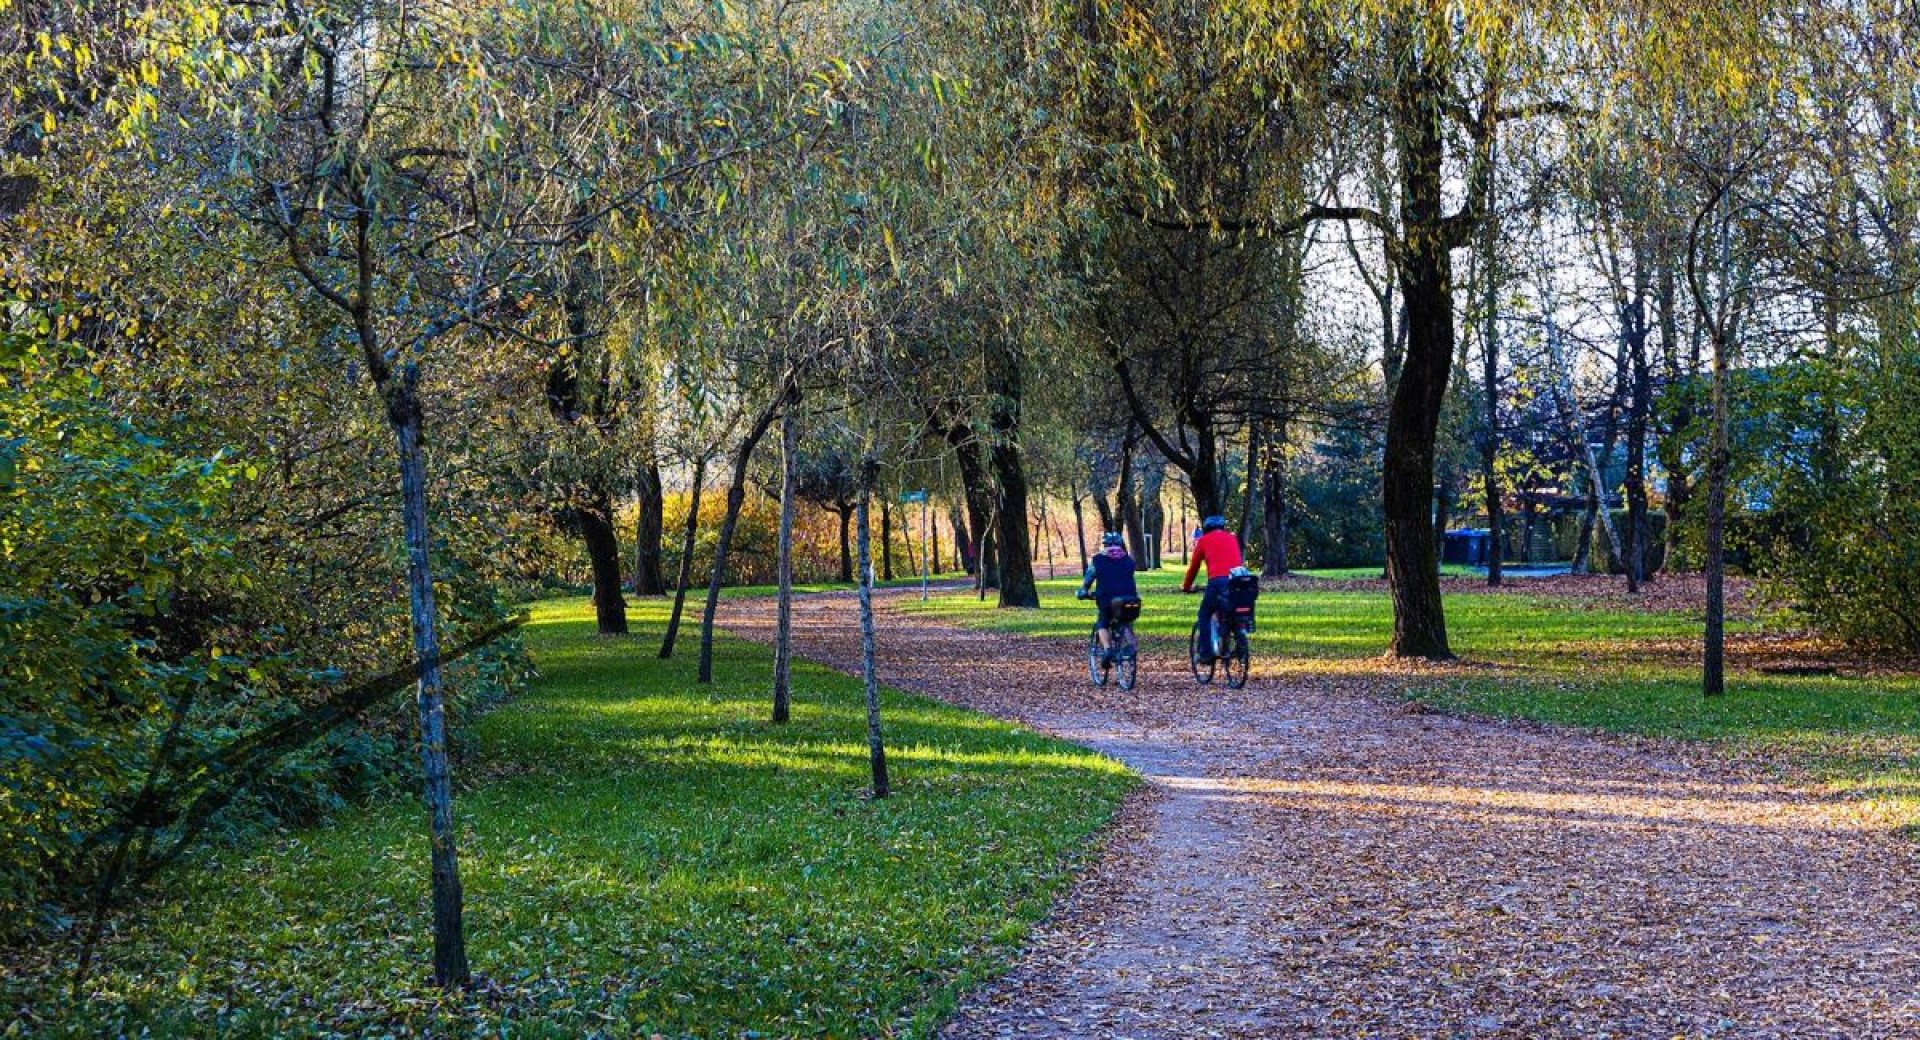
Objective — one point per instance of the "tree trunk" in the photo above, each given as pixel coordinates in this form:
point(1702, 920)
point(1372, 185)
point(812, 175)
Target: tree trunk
point(736, 498)
point(648, 530)
point(989, 577)
point(1589, 511)
point(1015, 553)
point(977, 489)
point(1129, 507)
point(1004, 379)
point(1252, 485)
point(1671, 446)
point(1080, 529)
point(1153, 514)
point(449, 935)
point(886, 540)
point(1102, 504)
point(1040, 534)
point(1635, 563)
point(1413, 420)
point(1277, 516)
point(1490, 385)
point(876, 747)
point(783, 623)
point(1713, 679)
point(1204, 476)
point(586, 409)
point(603, 554)
point(963, 544)
point(1719, 460)
point(686, 559)
point(845, 512)
point(914, 555)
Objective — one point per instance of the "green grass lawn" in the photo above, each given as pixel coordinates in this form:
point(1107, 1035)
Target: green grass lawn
point(641, 856)
point(1313, 624)
point(1555, 660)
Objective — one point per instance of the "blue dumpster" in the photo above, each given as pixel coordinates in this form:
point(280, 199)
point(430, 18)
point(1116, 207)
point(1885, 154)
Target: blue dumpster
point(1467, 547)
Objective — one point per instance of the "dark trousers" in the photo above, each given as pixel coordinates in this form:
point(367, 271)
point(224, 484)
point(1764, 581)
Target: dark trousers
point(1214, 600)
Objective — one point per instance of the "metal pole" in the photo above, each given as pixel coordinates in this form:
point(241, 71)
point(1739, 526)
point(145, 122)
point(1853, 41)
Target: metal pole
point(926, 536)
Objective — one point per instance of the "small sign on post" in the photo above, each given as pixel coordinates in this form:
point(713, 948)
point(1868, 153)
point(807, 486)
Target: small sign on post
point(926, 533)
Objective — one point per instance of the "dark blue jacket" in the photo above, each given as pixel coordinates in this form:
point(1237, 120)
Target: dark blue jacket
point(1112, 572)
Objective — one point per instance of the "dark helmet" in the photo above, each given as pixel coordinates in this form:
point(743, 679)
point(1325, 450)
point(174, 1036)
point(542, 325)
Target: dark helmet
point(1214, 523)
point(1112, 540)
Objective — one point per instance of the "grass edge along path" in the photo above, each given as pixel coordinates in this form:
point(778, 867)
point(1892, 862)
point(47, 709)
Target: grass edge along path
point(641, 856)
point(1601, 668)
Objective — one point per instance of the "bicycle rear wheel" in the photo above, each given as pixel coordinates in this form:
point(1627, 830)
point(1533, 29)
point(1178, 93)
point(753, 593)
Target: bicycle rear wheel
point(1202, 672)
point(1127, 668)
point(1239, 660)
point(1099, 669)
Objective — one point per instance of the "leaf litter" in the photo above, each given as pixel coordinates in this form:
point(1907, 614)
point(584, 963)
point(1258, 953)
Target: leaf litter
point(1312, 858)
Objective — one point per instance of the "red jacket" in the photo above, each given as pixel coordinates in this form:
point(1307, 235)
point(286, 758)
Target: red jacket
point(1220, 551)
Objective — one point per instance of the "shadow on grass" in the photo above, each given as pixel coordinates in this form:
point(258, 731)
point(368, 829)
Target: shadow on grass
point(641, 854)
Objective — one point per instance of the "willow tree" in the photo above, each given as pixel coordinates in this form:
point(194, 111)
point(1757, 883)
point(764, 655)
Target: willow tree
point(384, 150)
point(388, 210)
point(1444, 79)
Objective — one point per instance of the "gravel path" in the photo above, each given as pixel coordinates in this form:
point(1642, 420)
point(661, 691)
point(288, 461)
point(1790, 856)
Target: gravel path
point(1313, 858)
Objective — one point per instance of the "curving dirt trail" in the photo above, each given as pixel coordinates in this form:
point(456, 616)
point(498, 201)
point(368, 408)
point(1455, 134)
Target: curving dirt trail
point(1313, 858)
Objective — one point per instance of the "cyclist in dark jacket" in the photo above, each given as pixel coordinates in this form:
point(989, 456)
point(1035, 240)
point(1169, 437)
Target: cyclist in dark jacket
point(1109, 577)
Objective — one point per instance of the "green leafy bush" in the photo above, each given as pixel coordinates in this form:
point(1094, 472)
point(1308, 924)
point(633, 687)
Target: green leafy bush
point(1842, 541)
point(111, 581)
point(138, 637)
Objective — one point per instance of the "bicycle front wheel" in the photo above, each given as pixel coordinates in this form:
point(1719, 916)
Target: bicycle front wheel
point(1202, 670)
point(1099, 669)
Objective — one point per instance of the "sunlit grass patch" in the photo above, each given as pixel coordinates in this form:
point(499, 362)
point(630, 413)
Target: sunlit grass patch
point(641, 854)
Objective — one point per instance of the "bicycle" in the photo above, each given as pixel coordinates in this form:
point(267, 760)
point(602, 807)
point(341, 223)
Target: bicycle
point(1119, 660)
point(1229, 645)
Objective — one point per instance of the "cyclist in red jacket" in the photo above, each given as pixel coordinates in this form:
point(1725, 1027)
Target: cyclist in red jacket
point(1220, 551)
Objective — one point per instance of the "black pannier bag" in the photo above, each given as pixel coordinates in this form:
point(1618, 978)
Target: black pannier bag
point(1243, 591)
point(1126, 611)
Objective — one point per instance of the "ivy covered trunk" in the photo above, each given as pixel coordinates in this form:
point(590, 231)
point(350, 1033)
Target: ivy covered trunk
point(449, 936)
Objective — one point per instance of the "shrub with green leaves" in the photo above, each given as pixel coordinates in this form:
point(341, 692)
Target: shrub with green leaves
point(1843, 472)
point(110, 582)
point(138, 638)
